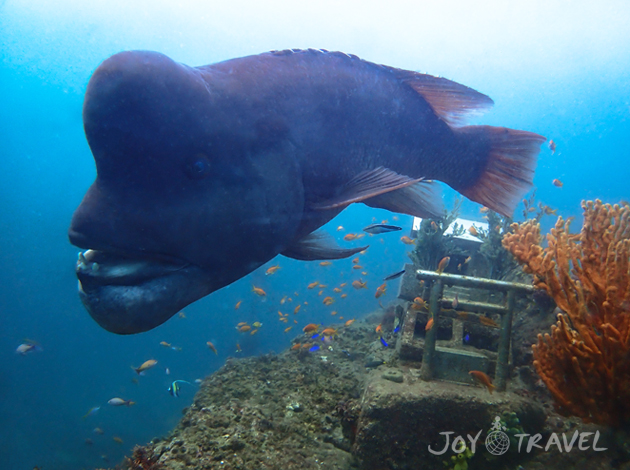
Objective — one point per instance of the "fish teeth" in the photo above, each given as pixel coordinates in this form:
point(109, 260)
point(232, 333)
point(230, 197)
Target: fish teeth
point(80, 286)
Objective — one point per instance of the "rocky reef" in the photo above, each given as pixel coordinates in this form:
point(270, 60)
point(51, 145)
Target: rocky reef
point(353, 405)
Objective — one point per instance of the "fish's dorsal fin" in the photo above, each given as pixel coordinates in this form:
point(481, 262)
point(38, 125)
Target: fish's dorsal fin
point(421, 199)
point(318, 245)
point(366, 185)
point(452, 102)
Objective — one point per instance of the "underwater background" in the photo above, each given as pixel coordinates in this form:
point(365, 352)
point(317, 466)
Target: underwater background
point(559, 69)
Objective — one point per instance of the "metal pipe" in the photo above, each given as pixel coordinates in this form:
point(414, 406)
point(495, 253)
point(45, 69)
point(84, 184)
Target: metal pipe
point(467, 281)
point(426, 370)
point(502, 369)
point(476, 307)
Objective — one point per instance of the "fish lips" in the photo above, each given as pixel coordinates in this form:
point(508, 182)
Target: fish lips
point(129, 294)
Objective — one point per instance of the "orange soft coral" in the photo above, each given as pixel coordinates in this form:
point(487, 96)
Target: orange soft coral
point(585, 362)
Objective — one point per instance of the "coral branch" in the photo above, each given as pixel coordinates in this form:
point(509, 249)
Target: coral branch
point(585, 361)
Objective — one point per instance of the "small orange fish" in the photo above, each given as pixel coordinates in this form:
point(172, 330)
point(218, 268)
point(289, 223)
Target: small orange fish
point(340, 228)
point(359, 284)
point(296, 346)
point(313, 285)
point(349, 322)
point(337, 290)
point(429, 325)
point(379, 328)
point(343, 296)
point(280, 314)
point(165, 344)
point(307, 345)
point(117, 440)
point(355, 260)
point(557, 183)
point(286, 330)
point(343, 284)
point(283, 300)
point(552, 146)
point(259, 291)
point(357, 266)
point(418, 304)
point(212, 347)
point(238, 305)
point(241, 324)
point(328, 300)
point(325, 263)
point(482, 379)
point(467, 260)
point(380, 290)
point(329, 332)
point(488, 322)
point(310, 328)
point(253, 332)
point(473, 231)
point(297, 309)
point(334, 312)
point(320, 292)
point(406, 240)
point(323, 285)
point(272, 270)
point(238, 348)
point(484, 210)
point(364, 273)
point(434, 226)
point(443, 264)
point(244, 328)
point(349, 237)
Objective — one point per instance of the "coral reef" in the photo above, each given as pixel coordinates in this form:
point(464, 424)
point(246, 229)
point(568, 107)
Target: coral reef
point(432, 244)
point(584, 362)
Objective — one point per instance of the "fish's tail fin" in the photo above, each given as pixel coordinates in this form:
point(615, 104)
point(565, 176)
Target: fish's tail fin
point(507, 172)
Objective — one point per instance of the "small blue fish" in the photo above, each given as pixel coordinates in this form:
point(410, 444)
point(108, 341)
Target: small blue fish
point(314, 348)
point(467, 338)
point(315, 336)
point(397, 329)
point(347, 353)
point(391, 277)
point(384, 343)
point(174, 388)
point(376, 229)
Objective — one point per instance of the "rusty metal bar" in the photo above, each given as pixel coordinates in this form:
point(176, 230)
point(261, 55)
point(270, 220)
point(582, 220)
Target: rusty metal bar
point(477, 282)
point(476, 307)
point(501, 371)
point(426, 370)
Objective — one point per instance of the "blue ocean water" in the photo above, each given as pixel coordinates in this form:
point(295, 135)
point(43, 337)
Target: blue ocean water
point(558, 72)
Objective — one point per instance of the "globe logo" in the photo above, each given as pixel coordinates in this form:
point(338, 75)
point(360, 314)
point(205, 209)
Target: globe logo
point(497, 442)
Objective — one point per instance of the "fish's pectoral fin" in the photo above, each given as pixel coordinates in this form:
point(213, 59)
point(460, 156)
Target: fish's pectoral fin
point(421, 199)
point(366, 185)
point(318, 245)
point(451, 101)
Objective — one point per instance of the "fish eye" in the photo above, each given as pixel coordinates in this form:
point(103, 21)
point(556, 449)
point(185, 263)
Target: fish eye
point(197, 167)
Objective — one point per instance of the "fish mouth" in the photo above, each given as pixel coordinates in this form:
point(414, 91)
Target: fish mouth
point(130, 293)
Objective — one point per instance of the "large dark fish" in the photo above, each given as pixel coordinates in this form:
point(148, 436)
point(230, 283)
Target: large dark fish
point(206, 173)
